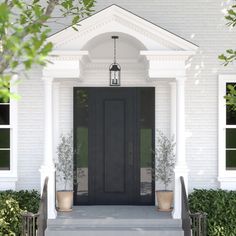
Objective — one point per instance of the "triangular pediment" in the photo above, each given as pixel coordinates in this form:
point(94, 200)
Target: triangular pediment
point(117, 19)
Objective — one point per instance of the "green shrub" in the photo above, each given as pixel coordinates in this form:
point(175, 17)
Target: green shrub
point(28, 199)
point(5, 229)
point(220, 206)
point(10, 216)
point(12, 205)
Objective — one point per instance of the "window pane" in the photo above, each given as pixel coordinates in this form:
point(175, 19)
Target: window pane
point(81, 143)
point(146, 140)
point(4, 114)
point(230, 113)
point(4, 138)
point(82, 160)
point(230, 138)
point(5, 100)
point(4, 159)
point(146, 161)
point(230, 159)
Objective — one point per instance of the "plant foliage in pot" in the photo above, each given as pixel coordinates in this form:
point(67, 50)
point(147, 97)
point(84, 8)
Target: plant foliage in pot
point(164, 170)
point(64, 172)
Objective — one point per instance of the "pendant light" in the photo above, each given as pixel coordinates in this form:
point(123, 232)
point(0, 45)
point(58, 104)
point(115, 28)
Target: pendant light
point(114, 68)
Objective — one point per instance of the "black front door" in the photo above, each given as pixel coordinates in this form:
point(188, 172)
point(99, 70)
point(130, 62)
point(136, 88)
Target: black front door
point(113, 166)
point(114, 135)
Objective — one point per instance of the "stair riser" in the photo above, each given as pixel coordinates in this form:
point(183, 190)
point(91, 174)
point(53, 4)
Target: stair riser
point(168, 223)
point(115, 233)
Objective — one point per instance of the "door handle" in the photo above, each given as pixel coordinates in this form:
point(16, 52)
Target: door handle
point(130, 153)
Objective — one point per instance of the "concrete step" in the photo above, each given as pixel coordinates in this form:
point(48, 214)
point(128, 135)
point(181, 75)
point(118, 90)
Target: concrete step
point(114, 227)
point(170, 223)
point(114, 232)
point(114, 221)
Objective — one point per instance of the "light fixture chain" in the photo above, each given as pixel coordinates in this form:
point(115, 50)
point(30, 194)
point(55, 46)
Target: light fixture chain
point(114, 50)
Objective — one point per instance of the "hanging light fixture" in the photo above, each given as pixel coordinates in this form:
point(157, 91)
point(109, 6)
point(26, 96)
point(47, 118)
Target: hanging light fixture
point(115, 68)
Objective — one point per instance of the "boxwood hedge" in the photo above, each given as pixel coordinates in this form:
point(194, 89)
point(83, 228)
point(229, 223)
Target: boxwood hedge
point(220, 206)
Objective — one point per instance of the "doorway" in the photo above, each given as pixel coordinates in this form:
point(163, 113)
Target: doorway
point(114, 139)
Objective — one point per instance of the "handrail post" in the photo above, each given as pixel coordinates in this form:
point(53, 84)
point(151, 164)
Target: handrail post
point(185, 214)
point(36, 224)
point(192, 224)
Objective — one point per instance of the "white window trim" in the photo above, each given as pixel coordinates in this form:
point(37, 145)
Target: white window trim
point(227, 178)
point(9, 177)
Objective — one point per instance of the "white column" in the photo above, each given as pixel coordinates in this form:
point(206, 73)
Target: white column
point(56, 113)
point(180, 166)
point(48, 167)
point(173, 109)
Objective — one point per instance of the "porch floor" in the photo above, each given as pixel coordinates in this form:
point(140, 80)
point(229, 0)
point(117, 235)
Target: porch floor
point(114, 221)
point(114, 212)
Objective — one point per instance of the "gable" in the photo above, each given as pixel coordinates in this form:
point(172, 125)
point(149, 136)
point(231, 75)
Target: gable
point(117, 19)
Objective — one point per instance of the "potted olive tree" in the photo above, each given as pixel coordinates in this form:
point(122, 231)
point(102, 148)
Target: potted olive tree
point(164, 170)
point(64, 172)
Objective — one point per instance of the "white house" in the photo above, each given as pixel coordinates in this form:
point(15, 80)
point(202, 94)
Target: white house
point(171, 80)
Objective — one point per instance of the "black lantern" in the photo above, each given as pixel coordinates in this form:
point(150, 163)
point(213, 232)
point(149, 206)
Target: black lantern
point(114, 68)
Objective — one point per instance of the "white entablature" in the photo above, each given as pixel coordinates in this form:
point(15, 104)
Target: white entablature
point(166, 52)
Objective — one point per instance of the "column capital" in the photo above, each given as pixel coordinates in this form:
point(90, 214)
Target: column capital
point(47, 79)
point(181, 78)
point(172, 83)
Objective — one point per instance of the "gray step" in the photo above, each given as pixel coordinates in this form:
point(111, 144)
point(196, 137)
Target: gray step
point(120, 231)
point(110, 222)
point(114, 221)
point(114, 227)
point(113, 231)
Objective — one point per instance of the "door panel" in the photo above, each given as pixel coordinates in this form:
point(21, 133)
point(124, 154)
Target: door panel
point(114, 145)
point(113, 181)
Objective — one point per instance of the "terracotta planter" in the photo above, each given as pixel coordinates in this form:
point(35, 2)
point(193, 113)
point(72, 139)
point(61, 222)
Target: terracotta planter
point(65, 200)
point(164, 200)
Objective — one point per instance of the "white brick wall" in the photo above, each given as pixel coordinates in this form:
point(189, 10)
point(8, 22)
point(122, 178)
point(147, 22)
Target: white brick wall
point(198, 21)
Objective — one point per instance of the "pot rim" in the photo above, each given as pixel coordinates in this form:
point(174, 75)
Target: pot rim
point(65, 191)
point(166, 191)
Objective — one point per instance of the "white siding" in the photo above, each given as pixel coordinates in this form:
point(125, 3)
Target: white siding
point(198, 21)
point(30, 131)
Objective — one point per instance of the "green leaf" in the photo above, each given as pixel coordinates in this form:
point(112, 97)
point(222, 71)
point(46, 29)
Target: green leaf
point(231, 12)
point(37, 10)
point(14, 64)
point(222, 57)
point(4, 12)
point(28, 64)
point(46, 49)
point(75, 20)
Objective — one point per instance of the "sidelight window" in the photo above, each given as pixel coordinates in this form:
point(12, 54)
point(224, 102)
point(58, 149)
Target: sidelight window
point(146, 130)
point(81, 130)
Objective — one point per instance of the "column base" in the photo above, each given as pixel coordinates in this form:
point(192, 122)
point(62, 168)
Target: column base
point(179, 171)
point(49, 171)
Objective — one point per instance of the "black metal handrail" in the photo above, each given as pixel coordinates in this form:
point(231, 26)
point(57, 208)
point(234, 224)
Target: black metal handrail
point(36, 224)
point(193, 224)
point(186, 220)
point(199, 224)
point(43, 210)
point(29, 224)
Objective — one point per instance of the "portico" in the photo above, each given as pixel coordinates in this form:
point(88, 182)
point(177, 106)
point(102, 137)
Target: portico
point(149, 55)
